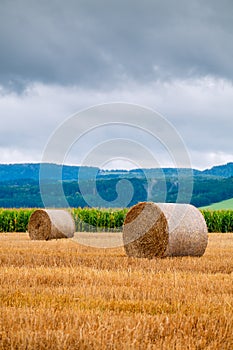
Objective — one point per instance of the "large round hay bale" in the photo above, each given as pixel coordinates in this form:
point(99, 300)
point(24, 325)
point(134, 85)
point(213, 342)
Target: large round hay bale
point(164, 229)
point(45, 224)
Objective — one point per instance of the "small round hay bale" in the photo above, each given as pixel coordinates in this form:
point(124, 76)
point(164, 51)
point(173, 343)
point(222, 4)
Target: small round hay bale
point(51, 224)
point(164, 229)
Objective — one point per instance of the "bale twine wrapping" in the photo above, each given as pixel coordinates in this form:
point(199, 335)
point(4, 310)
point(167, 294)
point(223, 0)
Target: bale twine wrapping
point(164, 229)
point(51, 224)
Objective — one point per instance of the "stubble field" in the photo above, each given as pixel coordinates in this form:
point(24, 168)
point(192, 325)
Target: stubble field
point(63, 295)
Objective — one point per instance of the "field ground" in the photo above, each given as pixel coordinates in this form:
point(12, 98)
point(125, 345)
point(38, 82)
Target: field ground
point(62, 295)
point(224, 205)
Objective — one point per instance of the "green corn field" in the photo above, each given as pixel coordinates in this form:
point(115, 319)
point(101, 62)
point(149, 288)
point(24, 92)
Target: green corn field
point(100, 220)
point(14, 220)
point(218, 220)
point(86, 219)
point(105, 220)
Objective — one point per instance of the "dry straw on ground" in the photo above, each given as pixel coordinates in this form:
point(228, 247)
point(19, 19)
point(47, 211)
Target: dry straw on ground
point(164, 229)
point(51, 224)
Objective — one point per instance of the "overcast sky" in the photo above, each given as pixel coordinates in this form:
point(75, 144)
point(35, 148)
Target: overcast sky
point(60, 57)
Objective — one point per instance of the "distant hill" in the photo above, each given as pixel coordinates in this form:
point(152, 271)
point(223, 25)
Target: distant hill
point(19, 185)
point(220, 170)
point(227, 204)
point(31, 171)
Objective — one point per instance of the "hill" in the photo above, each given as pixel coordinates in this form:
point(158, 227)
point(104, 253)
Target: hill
point(9, 172)
point(19, 185)
point(27, 193)
point(31, 171)
point(220, 170)
point(227, 204)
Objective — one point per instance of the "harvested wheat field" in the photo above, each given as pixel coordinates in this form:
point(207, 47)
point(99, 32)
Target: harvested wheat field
point(61, 295)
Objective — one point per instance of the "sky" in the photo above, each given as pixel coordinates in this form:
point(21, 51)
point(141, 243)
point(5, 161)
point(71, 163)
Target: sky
point(171, 57)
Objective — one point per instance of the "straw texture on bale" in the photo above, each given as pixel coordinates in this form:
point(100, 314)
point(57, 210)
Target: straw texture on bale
point(51, 224)
point(163, 230)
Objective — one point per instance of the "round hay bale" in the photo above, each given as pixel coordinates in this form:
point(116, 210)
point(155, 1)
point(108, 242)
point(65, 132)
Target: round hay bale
point(45, 224)
point(164, 229)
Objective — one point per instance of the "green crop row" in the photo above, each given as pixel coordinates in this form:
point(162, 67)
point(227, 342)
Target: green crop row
point(218, 220)
point(106, 220)
point(86, 219)
point(92, 219)
point(14, 220)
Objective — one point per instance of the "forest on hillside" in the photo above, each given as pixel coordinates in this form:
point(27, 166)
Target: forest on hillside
point(27, 192)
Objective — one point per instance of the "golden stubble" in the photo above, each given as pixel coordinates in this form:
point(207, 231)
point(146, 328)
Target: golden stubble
point(61, 295)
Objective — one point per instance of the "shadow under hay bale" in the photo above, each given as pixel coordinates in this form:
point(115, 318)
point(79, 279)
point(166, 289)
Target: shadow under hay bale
point(164, 229)
point(51, 224)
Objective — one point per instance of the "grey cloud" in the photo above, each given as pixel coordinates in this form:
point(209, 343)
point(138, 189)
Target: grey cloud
point(201, 112)
point(102, 44)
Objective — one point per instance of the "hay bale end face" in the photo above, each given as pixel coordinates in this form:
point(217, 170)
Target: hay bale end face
point(51, 224)
point(164, 229)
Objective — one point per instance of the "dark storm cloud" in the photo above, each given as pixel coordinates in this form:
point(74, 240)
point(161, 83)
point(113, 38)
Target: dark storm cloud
point(63, 56)
point(104, 43)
